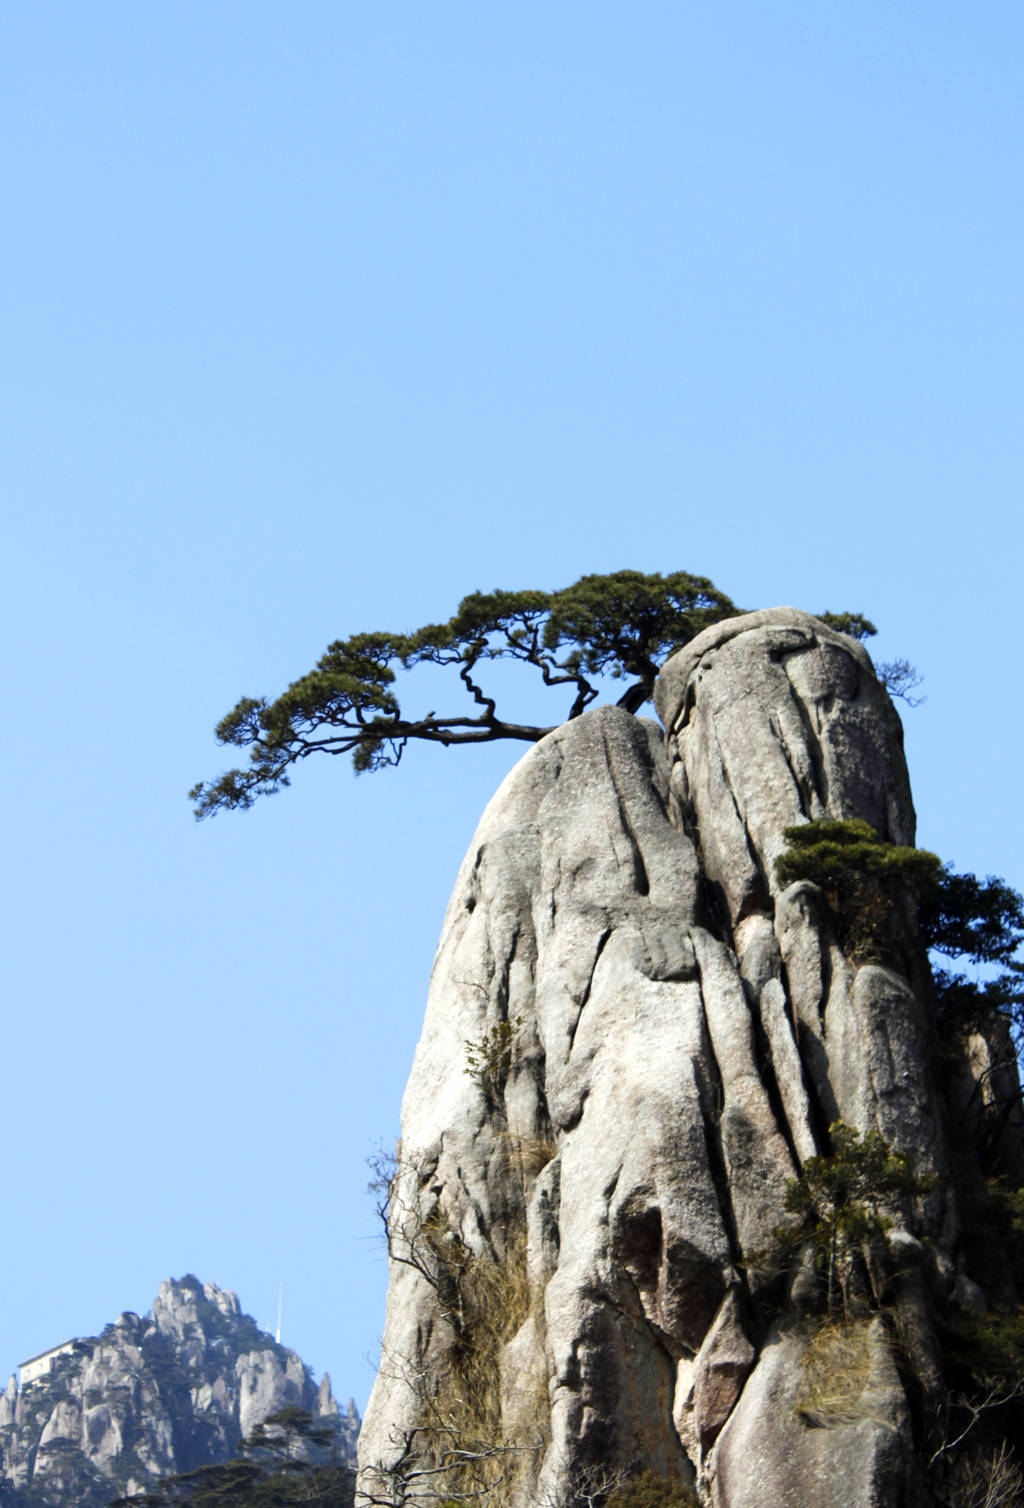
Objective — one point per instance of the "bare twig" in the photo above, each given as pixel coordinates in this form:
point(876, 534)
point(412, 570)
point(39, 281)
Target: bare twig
point(999, 1394)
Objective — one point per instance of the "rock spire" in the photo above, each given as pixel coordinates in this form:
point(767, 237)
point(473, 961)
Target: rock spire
point(659, 1037)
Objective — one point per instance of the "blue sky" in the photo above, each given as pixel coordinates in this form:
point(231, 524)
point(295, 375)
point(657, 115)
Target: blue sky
point(318, 317)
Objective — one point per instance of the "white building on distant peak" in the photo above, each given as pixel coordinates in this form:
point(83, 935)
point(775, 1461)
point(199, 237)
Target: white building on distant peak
point(38, 1366)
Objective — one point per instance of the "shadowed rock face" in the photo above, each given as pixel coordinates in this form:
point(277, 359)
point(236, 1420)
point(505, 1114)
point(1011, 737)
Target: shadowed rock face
point(683, 1034)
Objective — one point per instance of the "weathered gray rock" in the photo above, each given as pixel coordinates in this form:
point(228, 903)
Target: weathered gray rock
point(708, 1391)
point(770, 1456)
point(670, 1035)
point(150, 1397)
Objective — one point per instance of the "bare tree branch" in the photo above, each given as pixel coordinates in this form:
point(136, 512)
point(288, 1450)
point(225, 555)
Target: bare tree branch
point(998, 1395)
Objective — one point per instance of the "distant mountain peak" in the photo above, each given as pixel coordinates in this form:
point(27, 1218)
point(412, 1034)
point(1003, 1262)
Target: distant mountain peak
point(106, 1415)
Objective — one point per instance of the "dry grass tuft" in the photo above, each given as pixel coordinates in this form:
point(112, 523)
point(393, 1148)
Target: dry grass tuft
point(496, 1297)
point(529, 1154)
point(836, 1371)
point(987, 1480)
point(463, 1416)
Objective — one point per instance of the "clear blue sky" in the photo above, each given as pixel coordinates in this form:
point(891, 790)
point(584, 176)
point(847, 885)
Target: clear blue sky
point(318, 316)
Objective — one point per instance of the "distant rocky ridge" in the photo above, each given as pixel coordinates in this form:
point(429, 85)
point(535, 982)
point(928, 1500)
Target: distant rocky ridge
point(151, 1396)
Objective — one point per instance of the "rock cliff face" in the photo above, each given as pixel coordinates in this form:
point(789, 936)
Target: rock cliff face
point(150, 1397)
point(659, 1038)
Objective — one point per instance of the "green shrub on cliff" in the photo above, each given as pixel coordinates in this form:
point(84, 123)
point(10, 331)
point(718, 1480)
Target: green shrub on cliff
point(841, 1203)
point(859, 875)
point(978, 922)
